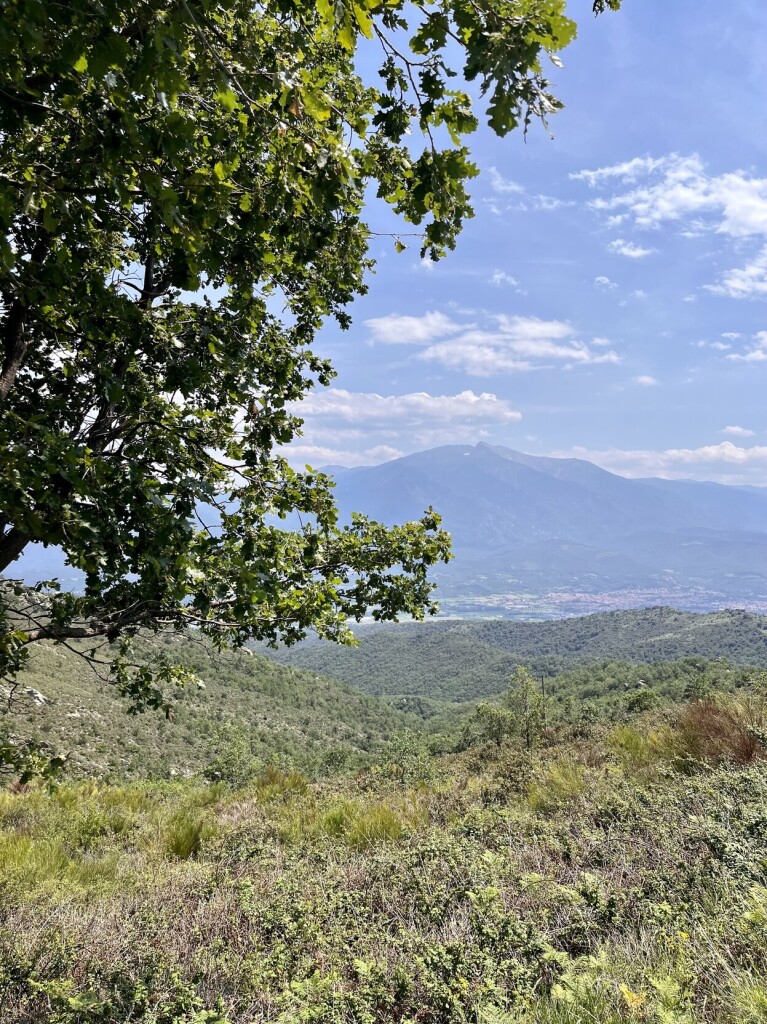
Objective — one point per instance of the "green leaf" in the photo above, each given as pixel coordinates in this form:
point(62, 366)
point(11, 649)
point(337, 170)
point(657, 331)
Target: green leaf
point(227, 98)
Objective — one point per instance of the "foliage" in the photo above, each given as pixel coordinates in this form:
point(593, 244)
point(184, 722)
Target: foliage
point(588, 892)
point(492, 723)
point(528, 704)
point(466, 660)
point(172, 172)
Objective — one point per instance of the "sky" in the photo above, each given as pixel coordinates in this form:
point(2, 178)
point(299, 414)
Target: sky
point(609, 299)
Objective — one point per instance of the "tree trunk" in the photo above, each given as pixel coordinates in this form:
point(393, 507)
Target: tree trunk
point(11, 546)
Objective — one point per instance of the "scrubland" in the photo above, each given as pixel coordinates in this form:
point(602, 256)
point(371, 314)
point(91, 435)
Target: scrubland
point(616, 872)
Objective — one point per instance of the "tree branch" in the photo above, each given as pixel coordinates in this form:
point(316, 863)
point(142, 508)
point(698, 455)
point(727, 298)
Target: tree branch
point(11, 546)
point(14, 341)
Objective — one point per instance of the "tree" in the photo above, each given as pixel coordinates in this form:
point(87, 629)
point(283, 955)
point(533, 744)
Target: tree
point(493, 723)
point(527, 704)
point(172, 172)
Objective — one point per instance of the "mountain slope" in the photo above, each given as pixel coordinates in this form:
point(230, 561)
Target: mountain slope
point(462, 661)
point(279, 711)
point(548, 536)
point(542, 526)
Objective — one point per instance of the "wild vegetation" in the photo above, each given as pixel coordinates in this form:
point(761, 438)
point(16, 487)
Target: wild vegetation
point(456, 660)
point(247, 711)
point(615, 871)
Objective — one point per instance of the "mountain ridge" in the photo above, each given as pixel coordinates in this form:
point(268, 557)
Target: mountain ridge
point(463, 660)
point(512, 515)
point(550, 537)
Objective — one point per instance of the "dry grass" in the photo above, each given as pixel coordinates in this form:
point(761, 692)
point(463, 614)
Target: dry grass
point(717, 731)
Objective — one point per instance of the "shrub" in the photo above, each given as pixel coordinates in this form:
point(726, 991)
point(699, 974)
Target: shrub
point(641, 700)
point(715, 732)
point(235, 764)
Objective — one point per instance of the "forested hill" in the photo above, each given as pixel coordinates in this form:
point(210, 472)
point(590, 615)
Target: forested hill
point(465, 660)
point(248, 702)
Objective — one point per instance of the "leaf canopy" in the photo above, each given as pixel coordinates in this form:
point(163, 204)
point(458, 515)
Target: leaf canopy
point(172, 172)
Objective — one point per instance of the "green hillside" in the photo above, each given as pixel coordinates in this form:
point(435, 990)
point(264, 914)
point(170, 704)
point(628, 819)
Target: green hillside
point(466, 660)
point(247, 701)
point(612, 876)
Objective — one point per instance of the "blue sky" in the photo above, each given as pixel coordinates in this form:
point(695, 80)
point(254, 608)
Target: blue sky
point(609, 300)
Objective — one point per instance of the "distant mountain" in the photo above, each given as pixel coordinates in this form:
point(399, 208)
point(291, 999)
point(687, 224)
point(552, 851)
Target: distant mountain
point(566, 530)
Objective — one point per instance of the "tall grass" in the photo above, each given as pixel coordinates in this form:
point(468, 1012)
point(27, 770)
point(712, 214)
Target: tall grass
point(185, 831)
point(44, 866)
point(717, 731)
point(558, 783)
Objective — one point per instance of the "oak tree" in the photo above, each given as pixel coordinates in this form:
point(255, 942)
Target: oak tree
point(182, 206)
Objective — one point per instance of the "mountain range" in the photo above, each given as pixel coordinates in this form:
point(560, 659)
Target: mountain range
point(547, 536)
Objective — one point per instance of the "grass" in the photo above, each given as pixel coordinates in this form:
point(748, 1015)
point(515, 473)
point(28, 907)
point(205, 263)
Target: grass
point(620, 877)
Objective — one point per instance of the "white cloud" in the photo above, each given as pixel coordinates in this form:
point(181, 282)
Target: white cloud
point(318, 456)
point(628, 171)
point(748, 282)
point(547, 203)
point(404, 411)
point(737, 431)
point(510, 195)
point(604, 283)
point(500, 277)
point(756, 353)
point(724, 462)
point(634, 252)
point(503, 186)
point(718, 346)
point(675, 188)
point(410, 330)
point(678, 190)
point(501, 344)
point(510, 344)
point(355, 428)
point(638, 293)
point(645, 380)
